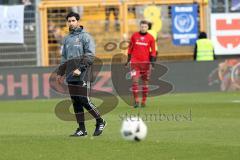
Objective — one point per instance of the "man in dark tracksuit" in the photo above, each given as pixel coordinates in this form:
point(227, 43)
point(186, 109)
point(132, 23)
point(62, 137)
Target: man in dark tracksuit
point(77, 57)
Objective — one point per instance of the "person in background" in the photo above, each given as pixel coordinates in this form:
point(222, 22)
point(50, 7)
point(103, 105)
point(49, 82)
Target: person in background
point(141, 55)
point(115, 11)
point(204, 49)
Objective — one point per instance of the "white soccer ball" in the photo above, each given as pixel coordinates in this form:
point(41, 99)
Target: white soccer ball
point(134, 129)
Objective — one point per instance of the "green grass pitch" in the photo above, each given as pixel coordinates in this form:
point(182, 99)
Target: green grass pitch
point(29, 130)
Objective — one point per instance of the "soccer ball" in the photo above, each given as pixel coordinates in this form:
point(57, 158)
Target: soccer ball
point(133, 129)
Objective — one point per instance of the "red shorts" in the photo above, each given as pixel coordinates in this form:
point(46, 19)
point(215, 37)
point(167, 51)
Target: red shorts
point(140, 69)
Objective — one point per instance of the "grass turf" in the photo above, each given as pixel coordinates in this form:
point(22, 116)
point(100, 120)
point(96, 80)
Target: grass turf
point(30, 130)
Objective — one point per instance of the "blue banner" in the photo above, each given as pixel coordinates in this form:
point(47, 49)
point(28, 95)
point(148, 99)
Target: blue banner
point(184, 24)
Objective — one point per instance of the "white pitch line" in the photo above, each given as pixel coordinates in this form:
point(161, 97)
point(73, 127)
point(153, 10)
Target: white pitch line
point(236, 101)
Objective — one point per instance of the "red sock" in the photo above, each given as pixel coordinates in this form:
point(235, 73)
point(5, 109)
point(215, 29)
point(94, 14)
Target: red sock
point(135, 91)
point(144, 93)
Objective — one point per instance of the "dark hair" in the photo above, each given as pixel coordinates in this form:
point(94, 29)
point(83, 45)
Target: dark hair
point(202, 35)
point(73, 14)
point(149, 25)
point(144, 22)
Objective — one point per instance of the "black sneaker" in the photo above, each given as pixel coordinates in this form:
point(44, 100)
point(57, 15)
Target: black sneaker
point(136, 105)
point(79, 133)
point(99, 128)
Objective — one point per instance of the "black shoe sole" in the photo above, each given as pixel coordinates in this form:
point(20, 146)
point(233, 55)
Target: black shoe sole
point(78, 135)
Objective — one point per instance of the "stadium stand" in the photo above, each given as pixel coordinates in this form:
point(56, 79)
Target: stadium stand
point(93, 17)
point(19, 54)
point(22, 54)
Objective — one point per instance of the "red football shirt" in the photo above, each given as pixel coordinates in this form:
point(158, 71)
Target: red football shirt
point(139, 47)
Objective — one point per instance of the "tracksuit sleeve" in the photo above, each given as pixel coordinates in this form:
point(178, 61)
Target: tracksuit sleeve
point(130, 48)
point(89, 51)
point(153, 51)
point(153, 48)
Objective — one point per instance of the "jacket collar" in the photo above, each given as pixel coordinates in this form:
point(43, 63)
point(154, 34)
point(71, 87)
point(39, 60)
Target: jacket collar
point(77, 30)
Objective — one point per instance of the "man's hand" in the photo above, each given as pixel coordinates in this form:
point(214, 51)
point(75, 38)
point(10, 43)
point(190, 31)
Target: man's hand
point(60, 79)
point(76, 72)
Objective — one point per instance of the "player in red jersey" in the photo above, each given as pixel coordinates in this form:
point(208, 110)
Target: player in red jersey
point(141, 55)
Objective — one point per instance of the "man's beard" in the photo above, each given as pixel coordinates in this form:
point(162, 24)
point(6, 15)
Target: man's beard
point(72, 28)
